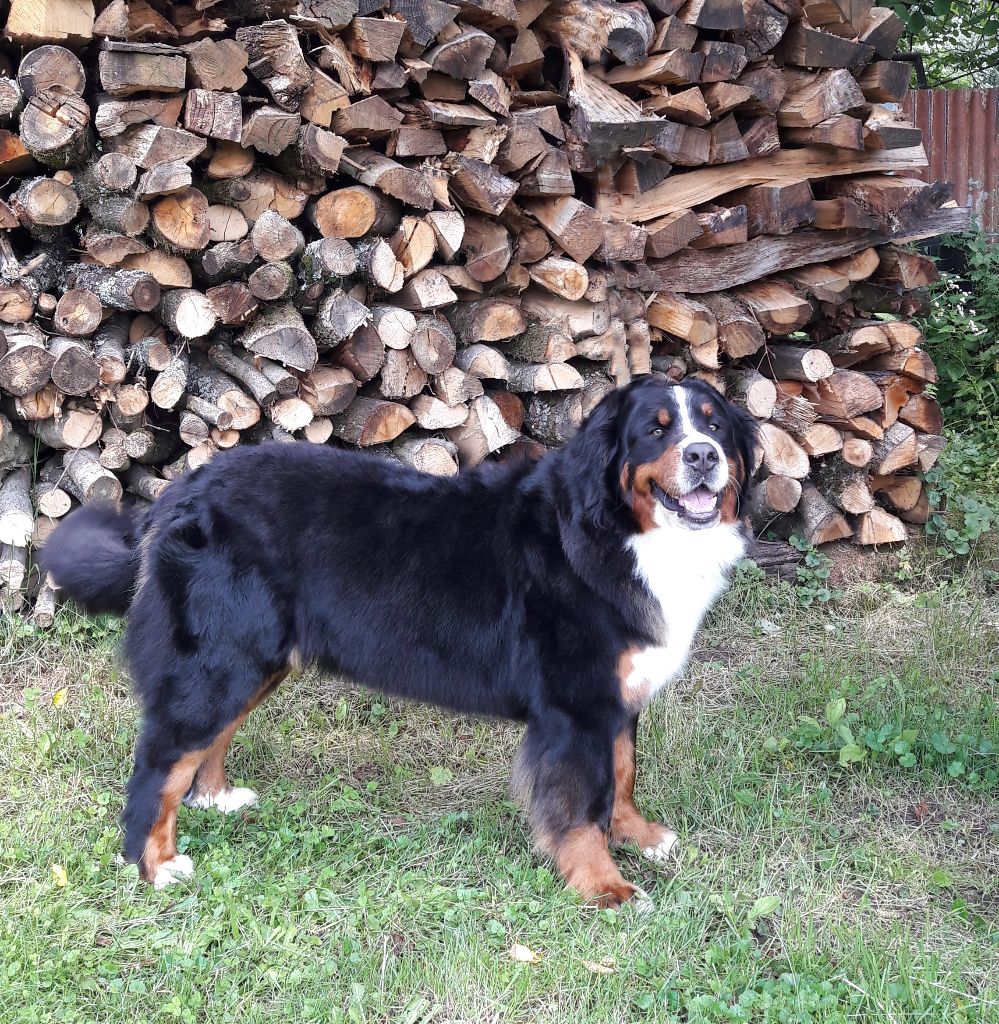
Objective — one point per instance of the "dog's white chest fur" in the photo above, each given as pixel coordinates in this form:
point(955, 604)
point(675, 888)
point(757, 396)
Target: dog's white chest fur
point(684, 571)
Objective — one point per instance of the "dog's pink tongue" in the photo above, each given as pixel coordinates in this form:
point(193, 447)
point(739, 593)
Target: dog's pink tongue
point(699, 501)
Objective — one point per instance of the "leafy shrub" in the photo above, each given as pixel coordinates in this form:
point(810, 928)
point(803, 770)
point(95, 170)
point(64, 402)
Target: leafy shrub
point(962, 336)
point(962, 490)
point(965, 349)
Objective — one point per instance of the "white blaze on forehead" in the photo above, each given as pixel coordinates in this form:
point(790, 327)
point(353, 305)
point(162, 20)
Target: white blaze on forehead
point(691, 435)
point(685, 405)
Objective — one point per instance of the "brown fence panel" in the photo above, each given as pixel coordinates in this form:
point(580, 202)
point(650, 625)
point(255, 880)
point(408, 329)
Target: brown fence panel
point(961, 134)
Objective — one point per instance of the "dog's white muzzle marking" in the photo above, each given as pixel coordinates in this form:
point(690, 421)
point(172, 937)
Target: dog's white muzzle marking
point(718, 477)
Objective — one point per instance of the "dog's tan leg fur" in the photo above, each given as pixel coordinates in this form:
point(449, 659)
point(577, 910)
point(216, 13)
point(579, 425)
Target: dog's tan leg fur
point(627, 822)
point(585, 863)
point(160, 852)
point(211, 779)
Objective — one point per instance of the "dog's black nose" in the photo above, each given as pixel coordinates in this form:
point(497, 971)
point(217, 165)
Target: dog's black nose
point(701, 456)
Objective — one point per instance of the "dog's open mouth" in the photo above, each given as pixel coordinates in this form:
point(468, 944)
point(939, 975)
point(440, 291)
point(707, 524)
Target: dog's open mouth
point(698, 507)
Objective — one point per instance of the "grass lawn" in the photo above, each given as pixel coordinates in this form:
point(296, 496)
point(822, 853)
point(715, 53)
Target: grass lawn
point(832, 772)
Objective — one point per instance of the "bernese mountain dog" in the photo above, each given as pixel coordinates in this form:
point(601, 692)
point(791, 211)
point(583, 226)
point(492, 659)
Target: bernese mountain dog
point(562, 593)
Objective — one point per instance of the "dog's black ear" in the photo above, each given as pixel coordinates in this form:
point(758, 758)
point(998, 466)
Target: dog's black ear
point(747, 437)
point(594, 453)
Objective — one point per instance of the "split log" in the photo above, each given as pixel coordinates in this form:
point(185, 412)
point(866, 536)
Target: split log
point(328, 390)
point(896, 450)
point(16, 516)
point(338, 318)
point(363, 353)
point(880, 527)
point(902, 493)
point(222, 391)
point(433, 344)
point(401, 376)
point(483, 432)
point(433, 414)
point(483, 362)
point(923, 414)
point(844, 395)
point(846, 487)
point(817, 520)
point(187, 312)
point(453, 386)
point(683, 318)
point(535, 377)
point(753, 391)
point(782, 455)
point(776, 307)
point(370, 421)
point(795, 362)
point(279, 333)
point(772, 498)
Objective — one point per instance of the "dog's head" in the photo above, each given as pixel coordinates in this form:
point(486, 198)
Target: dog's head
point(669, 454)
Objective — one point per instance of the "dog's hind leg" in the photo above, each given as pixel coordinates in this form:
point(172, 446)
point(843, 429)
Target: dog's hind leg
point(211, 784)
point(627, 822)
point(173, 759)
point(567, 771)
point(162, 775)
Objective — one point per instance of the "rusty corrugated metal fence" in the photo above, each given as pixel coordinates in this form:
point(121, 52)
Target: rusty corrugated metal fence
point(961, 134)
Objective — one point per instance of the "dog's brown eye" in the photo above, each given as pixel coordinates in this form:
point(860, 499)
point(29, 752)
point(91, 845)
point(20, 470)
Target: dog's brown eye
point(656, 431)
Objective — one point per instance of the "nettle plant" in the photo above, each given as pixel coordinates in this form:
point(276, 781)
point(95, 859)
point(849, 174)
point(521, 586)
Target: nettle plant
point(813, 574)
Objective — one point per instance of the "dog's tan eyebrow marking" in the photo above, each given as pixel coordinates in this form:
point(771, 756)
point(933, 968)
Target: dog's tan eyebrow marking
point(708, 409)
point(664, 417)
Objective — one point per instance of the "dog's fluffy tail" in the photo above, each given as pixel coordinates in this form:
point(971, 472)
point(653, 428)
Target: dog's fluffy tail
point(93, 555)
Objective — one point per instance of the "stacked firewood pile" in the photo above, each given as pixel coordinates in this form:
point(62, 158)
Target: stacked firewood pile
point(446, 230)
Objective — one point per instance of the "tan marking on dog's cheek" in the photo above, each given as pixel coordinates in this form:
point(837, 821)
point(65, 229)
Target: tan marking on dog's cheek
point(641, 500)
point(664, 472)
point(643, 507)
point(729, 503)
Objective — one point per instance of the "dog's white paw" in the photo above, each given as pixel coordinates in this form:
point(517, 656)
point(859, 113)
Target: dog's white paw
point(234, 798)
point(664, 850)
point(642, 902)
point(174, 870)
point(225, 800)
